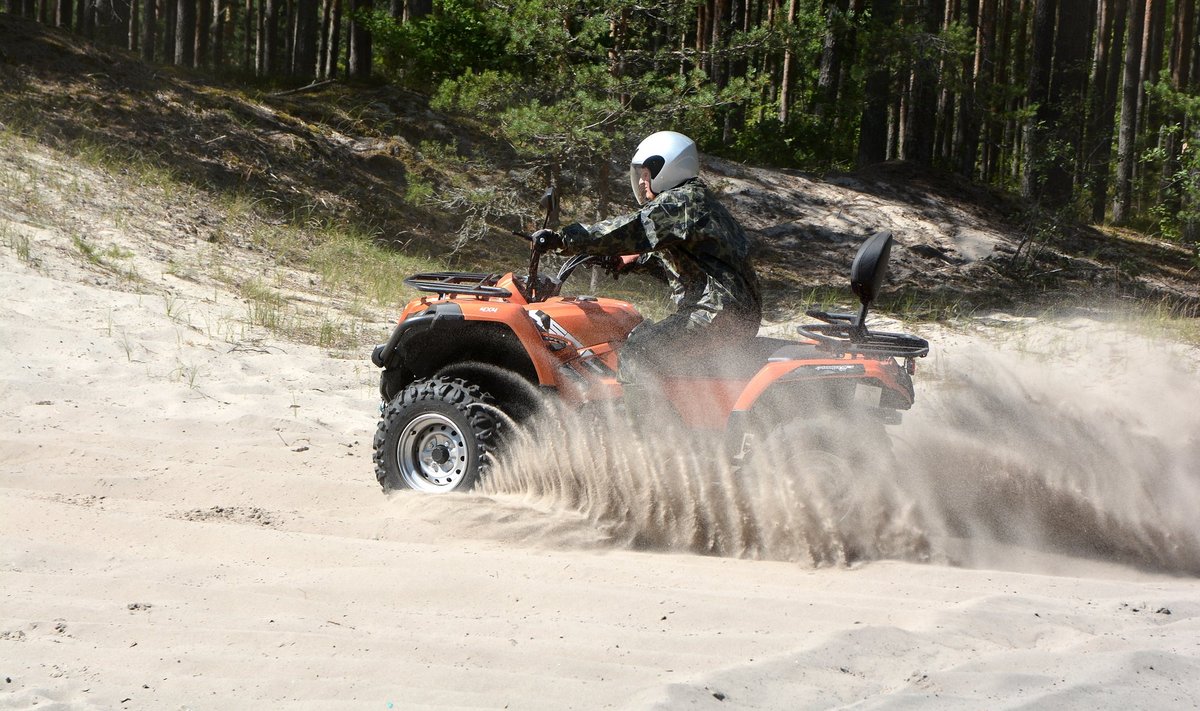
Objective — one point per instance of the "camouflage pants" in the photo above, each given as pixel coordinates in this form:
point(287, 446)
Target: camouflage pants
point(682, 343)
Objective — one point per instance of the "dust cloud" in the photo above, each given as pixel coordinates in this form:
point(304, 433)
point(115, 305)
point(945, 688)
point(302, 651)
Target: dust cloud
point(1078, 439)
point(1075, 437)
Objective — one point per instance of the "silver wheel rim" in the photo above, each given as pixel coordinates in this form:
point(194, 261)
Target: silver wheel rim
point(432, 453)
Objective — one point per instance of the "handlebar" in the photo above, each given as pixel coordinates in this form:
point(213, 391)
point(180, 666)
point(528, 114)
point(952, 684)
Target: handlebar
point(537, 288)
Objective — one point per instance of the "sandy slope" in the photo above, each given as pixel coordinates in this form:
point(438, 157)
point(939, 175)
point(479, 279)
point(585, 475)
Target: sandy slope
point(188, 519)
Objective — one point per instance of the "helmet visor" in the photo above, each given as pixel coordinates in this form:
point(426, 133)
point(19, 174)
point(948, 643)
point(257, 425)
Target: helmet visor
point(635, 177)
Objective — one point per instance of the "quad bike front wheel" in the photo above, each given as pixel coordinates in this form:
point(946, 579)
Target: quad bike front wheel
point(436, 436)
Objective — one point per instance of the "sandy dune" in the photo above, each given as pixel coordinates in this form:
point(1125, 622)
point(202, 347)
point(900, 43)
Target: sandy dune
point(188, 519)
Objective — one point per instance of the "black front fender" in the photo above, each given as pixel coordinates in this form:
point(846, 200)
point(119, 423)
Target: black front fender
point(388, 355)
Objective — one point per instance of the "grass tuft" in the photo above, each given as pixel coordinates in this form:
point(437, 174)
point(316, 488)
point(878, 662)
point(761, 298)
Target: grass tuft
point(265, 307)
point(354, 261)
point(18, 243)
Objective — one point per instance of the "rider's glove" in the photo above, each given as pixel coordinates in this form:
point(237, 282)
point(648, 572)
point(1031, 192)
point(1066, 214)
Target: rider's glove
point(617, 264)
point(546, 240)
point(612, 264)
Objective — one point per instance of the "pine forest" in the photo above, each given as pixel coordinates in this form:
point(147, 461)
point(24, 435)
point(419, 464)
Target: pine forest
point(1088, 108)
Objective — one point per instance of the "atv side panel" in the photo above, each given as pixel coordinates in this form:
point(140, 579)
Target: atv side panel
point(885, 373)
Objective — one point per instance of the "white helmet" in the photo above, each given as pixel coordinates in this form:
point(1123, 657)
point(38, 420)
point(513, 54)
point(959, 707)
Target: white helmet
point(671, 159)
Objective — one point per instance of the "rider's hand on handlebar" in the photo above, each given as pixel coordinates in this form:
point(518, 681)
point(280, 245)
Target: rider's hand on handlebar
point(619, 263)
point(611, 264)
point(546, 240)
point(615, 264)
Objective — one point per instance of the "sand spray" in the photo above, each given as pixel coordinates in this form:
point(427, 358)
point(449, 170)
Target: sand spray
point(1073, 438)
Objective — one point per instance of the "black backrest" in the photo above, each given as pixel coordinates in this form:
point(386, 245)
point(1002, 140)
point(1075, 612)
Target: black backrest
point(870, 266)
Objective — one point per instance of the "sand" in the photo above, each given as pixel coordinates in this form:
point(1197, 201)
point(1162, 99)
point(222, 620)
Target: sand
point(189, 520)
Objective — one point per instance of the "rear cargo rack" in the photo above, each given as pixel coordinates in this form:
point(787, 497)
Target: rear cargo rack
point(842, 333)
point(447, 283)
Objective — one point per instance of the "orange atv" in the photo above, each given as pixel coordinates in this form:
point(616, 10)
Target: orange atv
point(480, 352)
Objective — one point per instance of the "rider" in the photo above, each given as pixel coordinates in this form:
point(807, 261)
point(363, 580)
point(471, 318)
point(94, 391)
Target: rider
point(686, 238)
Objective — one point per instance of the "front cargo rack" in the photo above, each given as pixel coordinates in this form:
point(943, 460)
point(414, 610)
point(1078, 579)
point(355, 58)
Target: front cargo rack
point(470, 284)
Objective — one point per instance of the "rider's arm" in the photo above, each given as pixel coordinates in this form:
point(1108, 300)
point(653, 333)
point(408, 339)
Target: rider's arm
point(651, 265)
point(659, 224)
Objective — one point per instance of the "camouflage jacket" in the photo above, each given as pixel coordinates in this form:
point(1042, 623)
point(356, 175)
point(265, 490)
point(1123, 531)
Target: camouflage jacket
point(689, 240)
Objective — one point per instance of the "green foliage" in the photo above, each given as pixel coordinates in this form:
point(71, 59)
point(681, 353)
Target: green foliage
point(572, 85)
point(585, 81)
point(1177, 211)
point(417, 192)
point(459, 36)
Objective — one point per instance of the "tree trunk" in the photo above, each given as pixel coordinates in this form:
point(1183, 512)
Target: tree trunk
point(958, 105)
point(323, 39)
point(785, 83)
point(203, 23)
point(149, 25)
point(217, 41)
point(983, 69)
point(716, 68)
point(1014, 129)
point(921, 115)
point(134, 29)
point(1152, 51)
point(1127, 131)
point(993, 127)
point(1151, 114)
point(85, 17)
point(1183, 39)
point(1102, 103)
point(873, 124)
point(248, 38)
point(260, 39)
point(359, 61)
point(1068, 85)
point(618, 30)
point(947, 97)
point(735, 66)
point(290, 18)
point(1036, 126)
point(828, 77)
point(1148, 114)
point(168, 10)
point(1195, 73)
point(269, 34)
point(304, 47)
point(335, 36)
point(416, 9)
point(895, 125)
point(185, 32)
